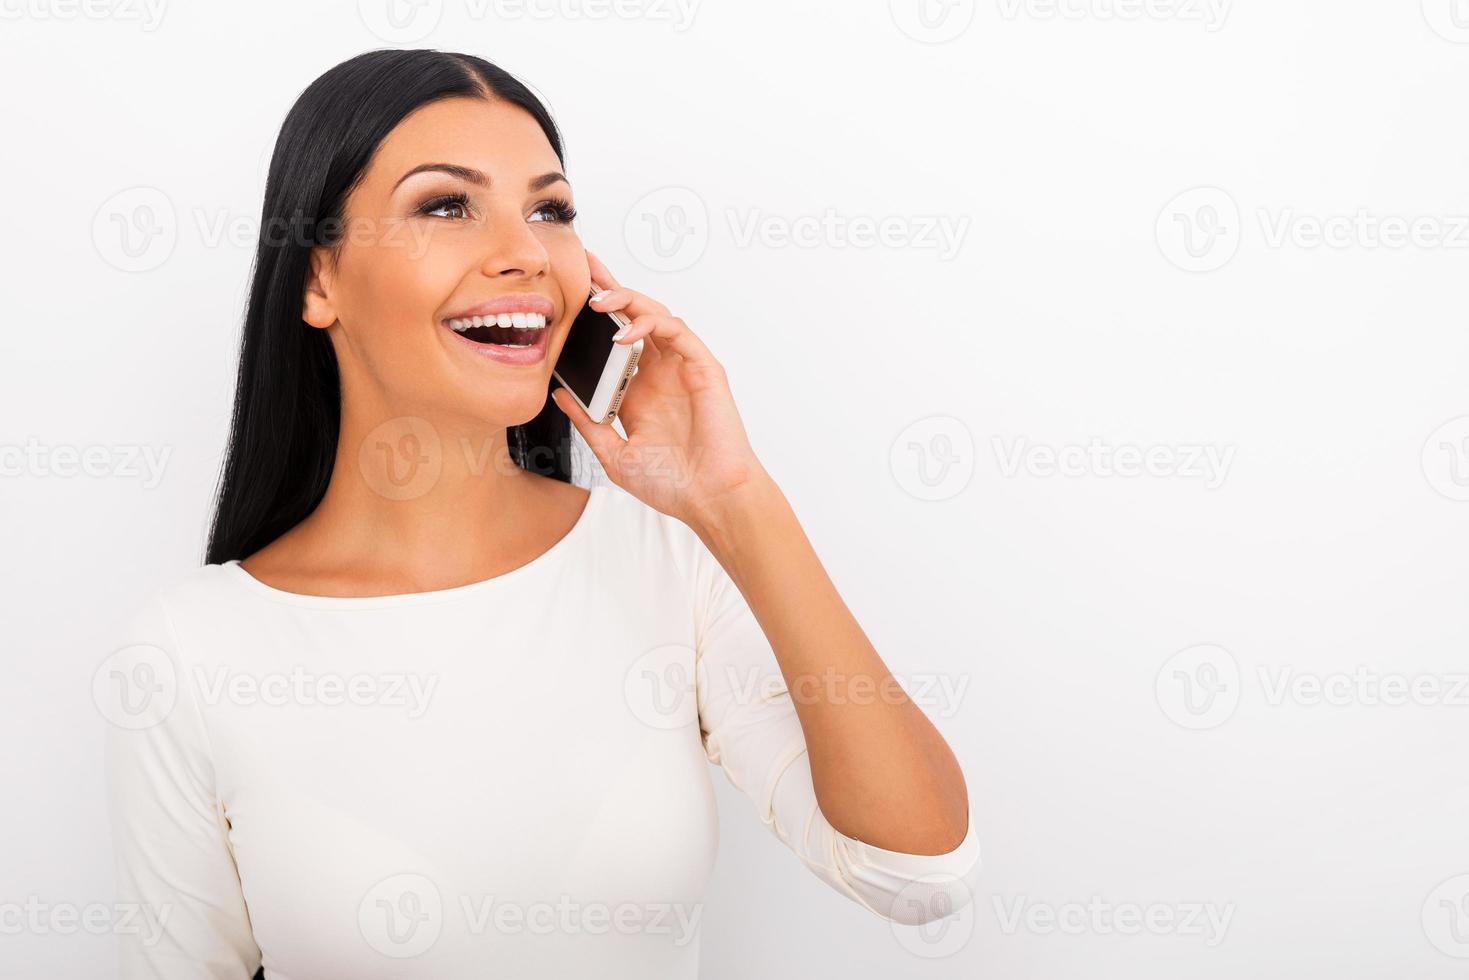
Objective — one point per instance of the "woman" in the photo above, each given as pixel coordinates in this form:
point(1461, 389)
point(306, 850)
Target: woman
point(431, 709)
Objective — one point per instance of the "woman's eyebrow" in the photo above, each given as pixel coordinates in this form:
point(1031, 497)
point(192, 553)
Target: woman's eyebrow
point(479, 177)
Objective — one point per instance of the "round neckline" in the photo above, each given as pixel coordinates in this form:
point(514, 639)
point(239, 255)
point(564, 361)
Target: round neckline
point(237, 571)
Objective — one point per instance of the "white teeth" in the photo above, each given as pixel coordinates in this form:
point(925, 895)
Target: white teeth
point(512, 321)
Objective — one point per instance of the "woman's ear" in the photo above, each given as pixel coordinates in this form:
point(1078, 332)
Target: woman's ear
point(316, 304)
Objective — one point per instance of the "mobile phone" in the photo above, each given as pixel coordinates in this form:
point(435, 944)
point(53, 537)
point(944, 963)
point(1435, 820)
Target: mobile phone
point(592, 366)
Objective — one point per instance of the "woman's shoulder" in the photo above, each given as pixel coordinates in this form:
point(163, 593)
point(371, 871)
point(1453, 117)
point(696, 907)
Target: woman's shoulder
point(160, 616)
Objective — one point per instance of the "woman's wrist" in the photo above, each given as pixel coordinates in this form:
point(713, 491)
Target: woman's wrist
point(737, 516)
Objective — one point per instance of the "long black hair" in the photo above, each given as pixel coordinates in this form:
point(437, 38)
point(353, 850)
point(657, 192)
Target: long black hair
point(283, 436)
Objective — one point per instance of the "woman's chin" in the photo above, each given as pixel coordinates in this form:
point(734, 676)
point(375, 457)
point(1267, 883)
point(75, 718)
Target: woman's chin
point(504, 408)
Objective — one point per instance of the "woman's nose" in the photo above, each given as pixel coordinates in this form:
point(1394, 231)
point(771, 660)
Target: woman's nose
point(513, 249)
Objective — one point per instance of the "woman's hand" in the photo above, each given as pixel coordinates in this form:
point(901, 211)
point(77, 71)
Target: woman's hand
point(686, 450)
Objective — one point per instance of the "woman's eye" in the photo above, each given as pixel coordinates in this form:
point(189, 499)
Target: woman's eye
point(456, 206)
point(556, 212)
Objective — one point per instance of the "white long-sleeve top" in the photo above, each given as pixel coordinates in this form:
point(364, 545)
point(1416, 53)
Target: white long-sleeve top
point(508, 778)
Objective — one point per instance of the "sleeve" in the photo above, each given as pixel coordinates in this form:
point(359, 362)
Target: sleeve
point(750, 729)
point(172, 857)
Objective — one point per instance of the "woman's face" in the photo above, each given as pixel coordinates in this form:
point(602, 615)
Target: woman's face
point(463, 205)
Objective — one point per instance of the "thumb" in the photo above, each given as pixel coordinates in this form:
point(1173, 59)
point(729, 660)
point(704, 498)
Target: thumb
point(603, 439)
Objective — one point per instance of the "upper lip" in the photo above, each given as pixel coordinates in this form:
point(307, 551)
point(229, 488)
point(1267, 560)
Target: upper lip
point(513, 303)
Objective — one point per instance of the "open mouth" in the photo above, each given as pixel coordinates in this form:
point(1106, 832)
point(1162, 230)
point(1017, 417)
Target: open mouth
point(513, 331)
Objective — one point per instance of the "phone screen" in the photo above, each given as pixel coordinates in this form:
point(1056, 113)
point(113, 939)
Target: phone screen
point(584, 354)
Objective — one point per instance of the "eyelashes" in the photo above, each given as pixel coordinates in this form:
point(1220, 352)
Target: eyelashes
point(560, 209)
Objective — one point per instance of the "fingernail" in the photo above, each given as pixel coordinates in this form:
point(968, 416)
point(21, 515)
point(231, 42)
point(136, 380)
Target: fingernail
point(620, 334)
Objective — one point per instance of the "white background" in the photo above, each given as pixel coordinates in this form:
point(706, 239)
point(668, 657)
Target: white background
point(905, 394)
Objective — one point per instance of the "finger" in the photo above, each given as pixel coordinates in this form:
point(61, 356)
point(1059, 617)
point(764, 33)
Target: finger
point(669, 334)
point(629, 301)
point(600, 274)
point(602, 438)
point(649, 355)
